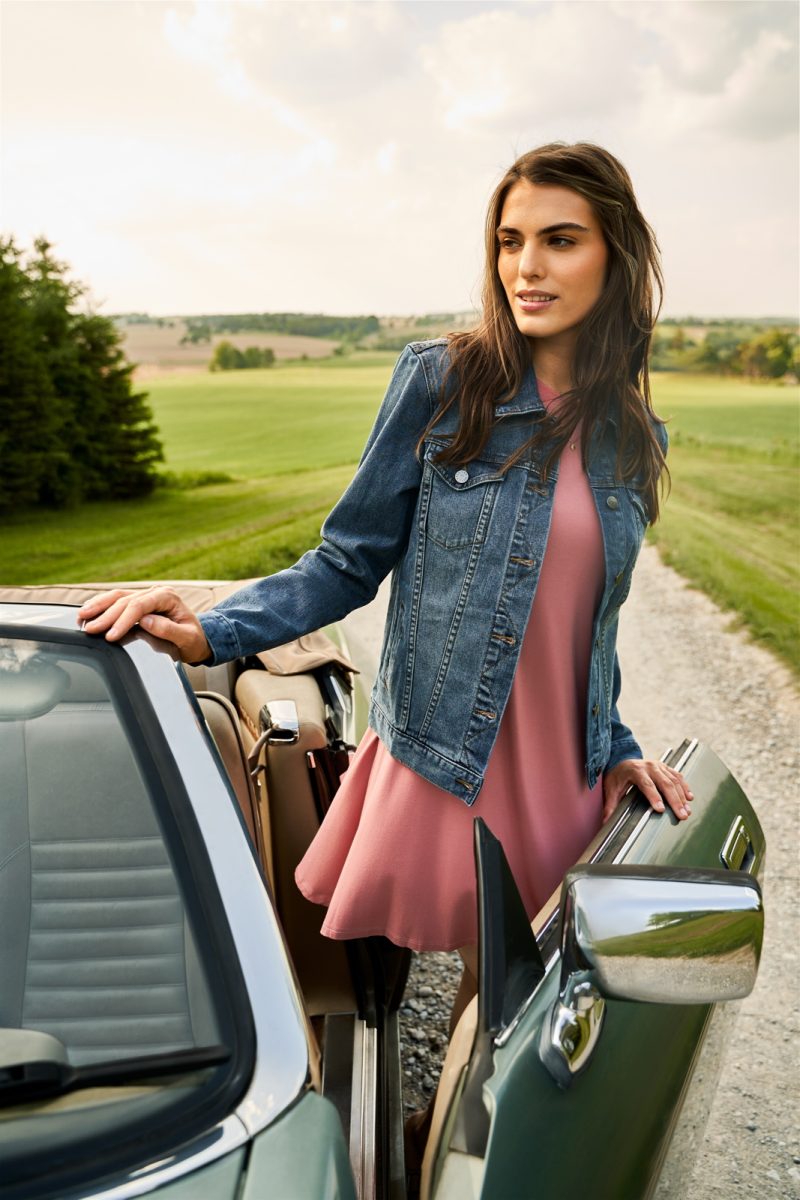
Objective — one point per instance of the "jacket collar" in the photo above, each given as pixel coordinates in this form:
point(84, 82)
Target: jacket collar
point(528, 400)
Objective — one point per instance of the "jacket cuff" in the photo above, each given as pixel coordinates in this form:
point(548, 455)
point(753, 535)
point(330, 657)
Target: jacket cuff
point(221, 637)
point(625, 748)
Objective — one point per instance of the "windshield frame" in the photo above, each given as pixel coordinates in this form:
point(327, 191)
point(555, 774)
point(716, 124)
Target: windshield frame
point(221, 1086)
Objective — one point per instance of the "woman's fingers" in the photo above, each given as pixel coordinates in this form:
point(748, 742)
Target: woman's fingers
point(159, 610)
point(661, 785)
point(96, 610)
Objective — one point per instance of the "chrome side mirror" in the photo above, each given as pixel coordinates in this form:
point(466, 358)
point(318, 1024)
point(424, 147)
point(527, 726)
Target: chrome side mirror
point(667, 936)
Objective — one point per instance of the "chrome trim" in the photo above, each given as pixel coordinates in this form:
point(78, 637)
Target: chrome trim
point(737, 845)
point(568, 1038)
point(280, 722)
point(282, 1055)
point(633, 835)
point(343, 698)
point(222, 1139)
point(280, 726)
point(363, 1111)
point(677, 935)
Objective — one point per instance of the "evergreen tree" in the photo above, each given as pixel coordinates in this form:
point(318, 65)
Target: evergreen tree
point(71, 426)
point(30, 413)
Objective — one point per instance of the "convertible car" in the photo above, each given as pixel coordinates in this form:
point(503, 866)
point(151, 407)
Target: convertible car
point(173, 1024)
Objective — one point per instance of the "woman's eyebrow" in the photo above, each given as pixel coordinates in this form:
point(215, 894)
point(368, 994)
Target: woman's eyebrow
point(547, 229)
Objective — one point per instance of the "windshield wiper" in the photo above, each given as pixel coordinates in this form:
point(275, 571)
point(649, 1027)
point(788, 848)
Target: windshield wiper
point(43, 1077)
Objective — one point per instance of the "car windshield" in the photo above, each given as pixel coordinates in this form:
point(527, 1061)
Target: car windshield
point(102, 957)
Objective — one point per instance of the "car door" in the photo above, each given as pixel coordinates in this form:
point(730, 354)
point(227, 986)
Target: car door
point(569, 1089)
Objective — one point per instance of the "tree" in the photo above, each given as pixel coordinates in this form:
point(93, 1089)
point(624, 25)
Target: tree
point(196, 331)
point(770, 355)
point(228, 358)
point(72, 427)
point(30, 412)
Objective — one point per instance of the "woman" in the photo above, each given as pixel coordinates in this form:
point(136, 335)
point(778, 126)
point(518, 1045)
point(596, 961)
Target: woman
point(507, 483)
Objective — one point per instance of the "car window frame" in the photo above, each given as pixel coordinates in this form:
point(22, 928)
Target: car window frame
point(219, 1095)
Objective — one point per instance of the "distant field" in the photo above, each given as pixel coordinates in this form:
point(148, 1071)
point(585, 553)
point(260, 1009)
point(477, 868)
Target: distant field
point(290, 437)
point(731, 523)
point(292, 417)
point(157, 349)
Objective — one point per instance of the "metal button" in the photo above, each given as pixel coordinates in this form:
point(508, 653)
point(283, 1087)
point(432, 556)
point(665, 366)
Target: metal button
point(462, 476)
point(618, 578)
point(596, 710)
point(611, 502)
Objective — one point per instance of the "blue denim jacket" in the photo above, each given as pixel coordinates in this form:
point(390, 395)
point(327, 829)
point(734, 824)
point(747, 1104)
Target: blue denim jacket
point(466, 548)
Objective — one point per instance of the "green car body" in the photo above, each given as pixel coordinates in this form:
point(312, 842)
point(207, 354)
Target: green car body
point(616, 1115)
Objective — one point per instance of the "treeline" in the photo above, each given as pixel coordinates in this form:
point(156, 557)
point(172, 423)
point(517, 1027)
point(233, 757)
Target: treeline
point(317, 325)
point(71, 426)
point(228, 357)
point(729, 349)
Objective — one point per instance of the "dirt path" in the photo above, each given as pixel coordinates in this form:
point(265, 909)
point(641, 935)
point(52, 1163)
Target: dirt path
point(686, 673)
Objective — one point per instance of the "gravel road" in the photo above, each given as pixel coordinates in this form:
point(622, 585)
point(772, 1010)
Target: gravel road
point(687, 672)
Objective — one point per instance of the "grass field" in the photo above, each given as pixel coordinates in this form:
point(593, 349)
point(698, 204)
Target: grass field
point(290, 437)
point(731, 523)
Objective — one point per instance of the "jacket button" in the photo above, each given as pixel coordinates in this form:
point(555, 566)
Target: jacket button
point(462, 476)
point(611, 502)
point(596, 710)
point(618, 578)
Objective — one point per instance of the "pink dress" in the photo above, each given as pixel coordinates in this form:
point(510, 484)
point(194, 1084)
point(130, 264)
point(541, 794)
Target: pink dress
point(394, 854)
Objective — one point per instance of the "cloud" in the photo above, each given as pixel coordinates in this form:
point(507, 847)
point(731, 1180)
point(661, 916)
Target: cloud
point(719, 68)
point(340, 155)
point(530, 64)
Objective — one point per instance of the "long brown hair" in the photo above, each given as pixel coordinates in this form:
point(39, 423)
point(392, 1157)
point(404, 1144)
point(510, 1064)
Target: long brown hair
point(610, 369)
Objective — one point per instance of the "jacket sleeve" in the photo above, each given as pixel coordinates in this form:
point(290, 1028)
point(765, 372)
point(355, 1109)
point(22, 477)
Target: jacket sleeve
point(623, 743)
point(362, 538)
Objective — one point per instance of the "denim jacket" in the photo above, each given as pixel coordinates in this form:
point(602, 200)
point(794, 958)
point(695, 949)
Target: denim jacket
point(465, 545)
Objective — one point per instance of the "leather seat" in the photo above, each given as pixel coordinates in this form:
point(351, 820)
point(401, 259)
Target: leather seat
point(94, 938)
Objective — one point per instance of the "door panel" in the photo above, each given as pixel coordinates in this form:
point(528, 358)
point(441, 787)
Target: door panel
point(605, 1136)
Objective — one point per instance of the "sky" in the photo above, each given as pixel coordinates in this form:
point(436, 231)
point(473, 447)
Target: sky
point(262, 155)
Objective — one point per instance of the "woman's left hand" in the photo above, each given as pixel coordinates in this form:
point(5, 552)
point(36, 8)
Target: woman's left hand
point(655, 780)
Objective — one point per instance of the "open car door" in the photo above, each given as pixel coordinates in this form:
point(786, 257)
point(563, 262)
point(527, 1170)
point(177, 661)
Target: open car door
point(571, 1072)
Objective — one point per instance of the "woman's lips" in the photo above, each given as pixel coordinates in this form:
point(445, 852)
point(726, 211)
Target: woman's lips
point(534, 304)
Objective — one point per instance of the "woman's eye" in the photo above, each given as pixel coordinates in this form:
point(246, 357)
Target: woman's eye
point(507, 243)
point(564, 240)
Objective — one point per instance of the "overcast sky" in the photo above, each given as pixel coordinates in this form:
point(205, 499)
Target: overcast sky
point(260, 155)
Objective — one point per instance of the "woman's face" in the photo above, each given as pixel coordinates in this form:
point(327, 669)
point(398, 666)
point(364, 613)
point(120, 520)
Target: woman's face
point(550, 245)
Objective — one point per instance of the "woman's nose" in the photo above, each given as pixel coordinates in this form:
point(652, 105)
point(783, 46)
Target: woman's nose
point(529, 264)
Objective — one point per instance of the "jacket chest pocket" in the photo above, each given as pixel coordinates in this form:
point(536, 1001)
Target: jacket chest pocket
point(460, 501)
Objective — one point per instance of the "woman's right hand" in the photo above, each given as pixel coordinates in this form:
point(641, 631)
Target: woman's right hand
point(158, 610)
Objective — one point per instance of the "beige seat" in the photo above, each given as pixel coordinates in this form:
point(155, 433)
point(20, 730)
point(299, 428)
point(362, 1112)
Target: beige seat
point(223, 722)
point(321, 963)
point(99, 949)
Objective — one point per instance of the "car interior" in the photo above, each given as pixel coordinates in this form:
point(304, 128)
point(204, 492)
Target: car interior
point(109, 966)
point(103, 908)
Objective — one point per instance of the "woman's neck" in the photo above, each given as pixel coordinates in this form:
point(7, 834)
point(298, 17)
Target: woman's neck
point(552, 368)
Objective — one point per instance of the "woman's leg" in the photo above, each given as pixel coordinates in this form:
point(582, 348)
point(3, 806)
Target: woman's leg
point(418, 1125)
point(468, 987)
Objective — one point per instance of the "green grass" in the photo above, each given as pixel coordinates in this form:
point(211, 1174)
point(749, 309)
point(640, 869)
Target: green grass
point(256, 424)
point(289, 438)
point(227, 531)
point(730, 525)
